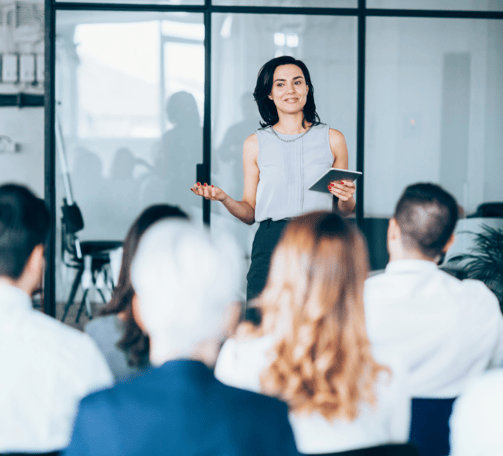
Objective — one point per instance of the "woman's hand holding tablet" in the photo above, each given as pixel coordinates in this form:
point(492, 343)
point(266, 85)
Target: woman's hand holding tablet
point(338, 182)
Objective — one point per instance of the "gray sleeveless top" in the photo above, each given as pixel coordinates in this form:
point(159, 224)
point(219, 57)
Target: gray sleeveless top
point(288, 169)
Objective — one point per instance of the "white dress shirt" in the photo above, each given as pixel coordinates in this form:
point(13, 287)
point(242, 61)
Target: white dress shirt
point(446, 331)
point(240, 364)
point(477, 417)
point(46, 368)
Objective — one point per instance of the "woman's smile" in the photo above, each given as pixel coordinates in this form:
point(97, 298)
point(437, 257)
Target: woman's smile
point(289, 89)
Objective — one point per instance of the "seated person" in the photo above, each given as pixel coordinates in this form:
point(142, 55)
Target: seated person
point(184, 281)
point(446, 330)
point(47, 367)
point(124, 344)
point(311, 348)
point(477, 417)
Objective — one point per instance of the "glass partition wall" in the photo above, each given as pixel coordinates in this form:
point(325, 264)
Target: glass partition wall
point(144, 91)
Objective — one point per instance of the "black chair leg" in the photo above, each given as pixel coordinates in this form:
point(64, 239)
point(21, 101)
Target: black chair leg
point(82, 304)
point(73, 292)
point(102, 296)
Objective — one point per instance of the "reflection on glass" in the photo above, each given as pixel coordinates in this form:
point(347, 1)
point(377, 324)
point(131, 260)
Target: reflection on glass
point(241, 45)
point(298, 3)
point(130, 92)
point(434, 109)
point(468, 5)
point(180, 149)
point(149, 2)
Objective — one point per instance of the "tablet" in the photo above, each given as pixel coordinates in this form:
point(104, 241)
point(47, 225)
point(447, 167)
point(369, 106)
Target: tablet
point(333, 174)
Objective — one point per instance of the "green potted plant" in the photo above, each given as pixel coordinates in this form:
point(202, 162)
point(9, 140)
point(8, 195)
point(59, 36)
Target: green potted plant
point(485, 260)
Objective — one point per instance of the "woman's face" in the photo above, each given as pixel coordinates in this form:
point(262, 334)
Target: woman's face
point(289, 89)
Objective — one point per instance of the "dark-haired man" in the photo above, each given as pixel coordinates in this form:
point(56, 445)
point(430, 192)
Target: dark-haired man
point(447, 331)
point(45, 366)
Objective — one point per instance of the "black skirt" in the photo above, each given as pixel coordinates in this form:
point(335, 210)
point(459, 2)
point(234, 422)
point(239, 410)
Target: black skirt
point(266, 238)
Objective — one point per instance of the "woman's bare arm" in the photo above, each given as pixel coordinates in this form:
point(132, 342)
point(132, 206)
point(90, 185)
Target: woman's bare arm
point(343, 190)
point(243, 210)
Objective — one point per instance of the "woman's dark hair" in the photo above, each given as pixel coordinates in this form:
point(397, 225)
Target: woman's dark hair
point(263, 89)
point(134, 341)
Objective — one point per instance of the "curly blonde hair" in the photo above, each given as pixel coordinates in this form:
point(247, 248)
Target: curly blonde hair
point(312, 306)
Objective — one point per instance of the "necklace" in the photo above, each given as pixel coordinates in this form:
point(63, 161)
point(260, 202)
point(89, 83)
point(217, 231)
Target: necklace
point(290, 140)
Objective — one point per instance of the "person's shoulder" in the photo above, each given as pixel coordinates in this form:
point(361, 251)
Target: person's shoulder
point(241, 362)
point(252, 140)
point(254, 402)
point(101, 399)
point(52, 331)
point(467, 289)
point(472, 299)
point(106, 324)
point(336, 137)
point(376, 276)
point(244, 341)
point(244, 349)
point(376, 280)
point(94, 427)
point(114, 398)
point(251, 147)
point(477, 291)
point(264, 415)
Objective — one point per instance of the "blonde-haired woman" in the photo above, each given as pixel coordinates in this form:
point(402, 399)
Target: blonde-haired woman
point(311, 348)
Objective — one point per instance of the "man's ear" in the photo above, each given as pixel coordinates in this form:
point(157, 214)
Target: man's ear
point(393, 229)
point(449, 243)
point(36, 262)
point(33, 272)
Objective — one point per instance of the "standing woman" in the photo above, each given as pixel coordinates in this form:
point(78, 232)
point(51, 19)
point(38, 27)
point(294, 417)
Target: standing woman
point(281, 160)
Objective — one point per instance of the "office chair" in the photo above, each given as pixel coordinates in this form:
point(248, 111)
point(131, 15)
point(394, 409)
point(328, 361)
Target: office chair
point(91, 259)
point(429, 428)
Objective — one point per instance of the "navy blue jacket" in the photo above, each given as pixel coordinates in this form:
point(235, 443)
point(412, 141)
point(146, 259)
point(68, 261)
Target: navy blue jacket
point(180, 409)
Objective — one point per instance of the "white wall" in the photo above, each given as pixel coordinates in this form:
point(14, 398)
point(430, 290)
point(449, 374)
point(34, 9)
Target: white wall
point(405, 83)
point(26, 127)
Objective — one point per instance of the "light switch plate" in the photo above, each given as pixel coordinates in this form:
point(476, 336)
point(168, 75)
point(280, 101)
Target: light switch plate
point(27, 68)
point(40, 67)
point(9, 68)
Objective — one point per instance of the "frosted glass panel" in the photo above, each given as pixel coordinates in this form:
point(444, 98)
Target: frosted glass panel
point(149, 2)
point(130, 94)
point(468, 5)
point(241, 45)
point(298, 3)
point(434, 109)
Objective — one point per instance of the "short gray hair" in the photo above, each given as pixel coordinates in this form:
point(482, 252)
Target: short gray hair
point(185, 279)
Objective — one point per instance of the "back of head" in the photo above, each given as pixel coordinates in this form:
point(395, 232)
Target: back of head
point(313, 309)
point(427, 216)
point(185, 280)
point(24, 224)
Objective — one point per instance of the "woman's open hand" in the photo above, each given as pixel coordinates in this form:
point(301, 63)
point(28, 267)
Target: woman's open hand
point(344, 190)
point(210, 192)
